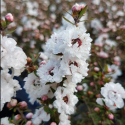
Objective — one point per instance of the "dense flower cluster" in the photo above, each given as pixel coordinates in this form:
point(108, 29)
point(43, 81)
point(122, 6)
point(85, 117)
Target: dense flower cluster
point(68, 51)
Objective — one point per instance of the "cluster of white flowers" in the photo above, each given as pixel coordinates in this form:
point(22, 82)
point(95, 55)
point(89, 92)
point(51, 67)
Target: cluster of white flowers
point(67, 50)
point(113, 95)
point(5, 121)
point(12, 57)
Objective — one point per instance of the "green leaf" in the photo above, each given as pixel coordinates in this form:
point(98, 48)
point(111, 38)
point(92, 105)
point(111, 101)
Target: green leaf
point(106, 68)
point(82, 11)
point(87, 20)
point(10, 31)
point(3, 23)
point(35, 73)
point(53, 90)
point(68, 21)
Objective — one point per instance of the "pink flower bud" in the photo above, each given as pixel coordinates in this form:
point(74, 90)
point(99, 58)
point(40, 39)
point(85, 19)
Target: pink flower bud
point(95, 63)
point(79, 87)
point(23, 104)
point(9, 17)
point(96, 109)
point(96, 69)
point(13, 102)
point(82, 6)
point(103, 54)
point(53, 123)
point(29, 115)
point(118, 37)
point(17, 117)
point(92, 84)
point(76, 7)
point(29, 123)
point(109, 69)
point(111, 116)
point(44, 97)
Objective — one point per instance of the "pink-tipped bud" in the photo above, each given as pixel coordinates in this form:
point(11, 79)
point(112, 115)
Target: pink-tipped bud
point(96, 69)
point(29, 115)
point(91, 83)
point(109, 69)
point(23, 104)
point(13, 102)
point(53, 123)
point(96, 109)
point(8, 105)
point(44, 97)
point(9, 17)
point(103, 54)
point(95, 63)
point(111, 116)
point(29, 123)
point(76, 7)
point(82, 6)
point(79, 87)
point(17, 117)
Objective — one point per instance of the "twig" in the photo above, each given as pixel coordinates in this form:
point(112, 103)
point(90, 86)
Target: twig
point(21, 114)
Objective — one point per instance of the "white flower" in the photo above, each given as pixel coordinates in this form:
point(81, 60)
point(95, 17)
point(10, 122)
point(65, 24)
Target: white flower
point(76, 68)
point(5, 121)
point(113, 94)
point(32, 24)
point(73, 42)
point(12, 56)
point(32, 8)
point(96, 24)
point(65, 100)
point(63, 119)
point(115, 72)
point(34, 88)
point(85, 87)
point(50, 72)
point(96, 2)
point(9, 87)
point(39, 116)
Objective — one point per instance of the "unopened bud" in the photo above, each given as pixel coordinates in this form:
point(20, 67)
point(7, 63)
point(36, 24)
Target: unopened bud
point(29, 123)
point(29, 60)
point(17, 117)
point(96, 109)
point(82, 6)
point(96, 69)
point(79, 87)
point(76, 7)
point(13, 102)
point(90, 92)
point(53, 123)
point(29, 115)
point(111, 116)
point(92, 84)
point(23, 104)
point(44, 97)
point(8, 105)
point(9, 17)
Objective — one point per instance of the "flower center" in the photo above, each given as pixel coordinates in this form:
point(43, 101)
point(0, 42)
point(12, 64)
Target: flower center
point(65, 99)
point(77, 41)
point(50, 72)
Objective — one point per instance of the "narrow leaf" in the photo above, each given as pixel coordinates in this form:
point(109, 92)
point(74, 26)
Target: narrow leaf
point(68, 21)
point(67, 12)
point(87, 20)
point(82, 11)
point(10, 31)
